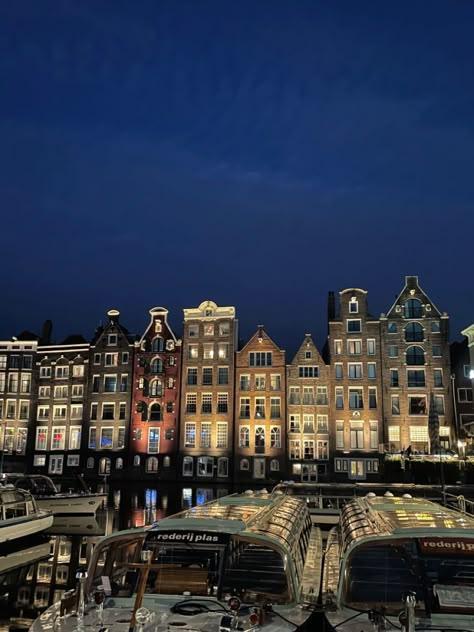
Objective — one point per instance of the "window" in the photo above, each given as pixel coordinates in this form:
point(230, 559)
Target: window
point(394, 378)
point(95, 383)
point(106, 437)
point(436, 349)
point(371, 346)
point(76, 411)
point(3, 362)
point(308, 395)
point(193, 352)
point(208, 351)
point(417, 405)
point(414, 332)
point(41, 438)
point(77, 390)
point(275, 382)
point(244, 437)
point(322, 450)
point(339, 397)
point(224, 329)
point(394, 433)
point(96, 358)
point(205, 466)
point(244, 465)
point(25, 384)
point(190, 435)
point(222, 403)
point(112, 339)
point(435, 328)
point(416, 377)
point(39, 460)
point(308, 371)
point(2, 383)
point(124, 383)
point(136, 460)
point(395, 404)
point(153, 440)
point(464, 394)
point(322, 424)
point(13, 383)
point(125, 356)
point(419, 434)
point(11, 409)
point(260, 358)
point(58, 438)
point(207, 376)
point(393, 351)
point(223, 351)
point(157, 366)
point(294, 395)
point(245, 382)
point(355, 371)
point(438, 378)
point(354, 347)
point(356, 399)
point(275, 437)
point(308, 355)
point(108, 411)
point(322, 395)
point(62, 372)
point(192, 375)
point(357, 435)
point(371, 370)
point(354, 325)
point(412, 308)
point(90, 463)
point(157, 345)
point(338, 347)
point(339, 372)
point(24, 410)
point(110, 383)
point(392, 327)
point(206, 403)
point(155, 412)
point(193, 331)
point(21, 440)
point(45, 371)
point(353, 306)
point(75, 438)
point(415, 356)
point(308, 449)
point(56, 464)
point(274, 408)
point(260, 437)
point(260, 407)
point(221, 435)
point(223, 375)
point(274, 465)
point(169, 407)
point(205, 438)
point(295, 449)
point(308, 424)
point(339, 435)
point(439, 404)
point(94, 410)
point(156, 388)
point(167, 461)
point(467, 370)
point(244, 412)
point(151, 465)
point(191, 403)
point(294, 423)
point(372, 397)
point(78, 370)
point(59, 412)
point(208, 329)
point(259, 382)
point(8, 440)
point(222, 466)
point(374, 435)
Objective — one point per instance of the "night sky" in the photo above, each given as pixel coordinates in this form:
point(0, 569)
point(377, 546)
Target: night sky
point(256, 153)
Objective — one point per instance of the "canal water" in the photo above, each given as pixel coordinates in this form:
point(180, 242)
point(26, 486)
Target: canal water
point(35, 572)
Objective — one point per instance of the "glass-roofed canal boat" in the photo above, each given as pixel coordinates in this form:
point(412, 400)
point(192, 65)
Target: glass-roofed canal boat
point(248, 561)
point(399, 563)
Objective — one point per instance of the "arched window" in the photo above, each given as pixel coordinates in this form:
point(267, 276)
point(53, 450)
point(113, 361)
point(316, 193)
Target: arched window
point(156, 366)
point(90, 463)
point(155, 412)
point(414, 333)
point(275, 437)
point(166, 461)
point(415, 356)
point(244, 465)
point(151, 464)
point(260, 437)
point(104, 466)
point(157, 345)
point(136, 461)
point(223, 466)
point(274, 465)
point(412, 308)
point(188, 466)
point(119, 464)
point(156, 388)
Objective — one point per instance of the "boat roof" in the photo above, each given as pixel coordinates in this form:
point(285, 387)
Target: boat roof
point(401, 517)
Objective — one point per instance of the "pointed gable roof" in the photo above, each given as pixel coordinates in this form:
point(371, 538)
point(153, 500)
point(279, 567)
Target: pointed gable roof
point(114, 324)
point(162, 313)
point(412, 289)
point(260, 334)
point(306, 345)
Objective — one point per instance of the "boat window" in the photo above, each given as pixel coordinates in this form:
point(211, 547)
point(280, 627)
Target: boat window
point(438, 570)
point(14, 504)
point(44, 485)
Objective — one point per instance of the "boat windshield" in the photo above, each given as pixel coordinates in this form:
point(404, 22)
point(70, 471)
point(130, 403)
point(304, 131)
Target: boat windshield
point(440, 571)
point(44, 486)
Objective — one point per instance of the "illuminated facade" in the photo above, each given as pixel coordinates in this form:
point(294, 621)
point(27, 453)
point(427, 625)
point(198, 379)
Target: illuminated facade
point(308, 413)
point(106, 432)
point(207, 392)
point(260, 405)
point(416, 371)
point(155, 400)
point(61, 390)
point(463, 391)
point(355, 386)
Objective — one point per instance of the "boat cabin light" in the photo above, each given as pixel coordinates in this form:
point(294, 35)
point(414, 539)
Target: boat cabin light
point(371, 495)
point(407, 496)
point(388, 495)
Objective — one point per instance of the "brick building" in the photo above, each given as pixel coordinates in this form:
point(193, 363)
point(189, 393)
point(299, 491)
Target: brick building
point(207, 392)
point(260, 404)
point(155, 400)
point(308, 414)
point(355, 385)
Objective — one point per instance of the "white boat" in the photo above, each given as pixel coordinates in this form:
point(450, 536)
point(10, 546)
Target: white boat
point(23, 553)
point(399, 563)
point(19, 514)
point(247, 561)
point(50, 499)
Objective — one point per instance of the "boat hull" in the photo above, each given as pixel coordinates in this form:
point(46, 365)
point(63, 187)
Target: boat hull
point(62, 504)
point(15, 528)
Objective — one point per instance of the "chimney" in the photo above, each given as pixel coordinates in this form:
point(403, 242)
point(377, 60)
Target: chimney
point(331, 306)
point(46, 332)
point(260, 331)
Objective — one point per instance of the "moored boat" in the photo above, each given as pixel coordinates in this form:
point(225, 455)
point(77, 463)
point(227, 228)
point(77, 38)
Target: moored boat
point(19, 514)
point(246, 561)
point(399, 563)
point(49, 498)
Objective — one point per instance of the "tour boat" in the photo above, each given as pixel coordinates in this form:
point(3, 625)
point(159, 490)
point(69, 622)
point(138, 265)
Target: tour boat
point(19, 514)
point(399, 563)
point(49, 498)
point(246, 561)
point(23, 552)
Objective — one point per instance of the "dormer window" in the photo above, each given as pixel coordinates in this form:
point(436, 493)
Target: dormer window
point(354, 306)
point(112, 339)
point(354, 325)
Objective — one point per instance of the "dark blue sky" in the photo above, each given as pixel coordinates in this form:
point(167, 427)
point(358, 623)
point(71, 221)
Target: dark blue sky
point(255, 153)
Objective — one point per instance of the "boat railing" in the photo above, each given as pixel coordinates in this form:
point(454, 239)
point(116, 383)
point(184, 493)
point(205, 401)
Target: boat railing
point(459, 503)
point(16, 508)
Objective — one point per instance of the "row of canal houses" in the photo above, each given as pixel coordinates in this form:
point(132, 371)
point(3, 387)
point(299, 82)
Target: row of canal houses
point(201, 407)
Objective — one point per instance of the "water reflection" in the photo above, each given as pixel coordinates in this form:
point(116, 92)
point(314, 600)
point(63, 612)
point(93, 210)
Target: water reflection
point(36, 572)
